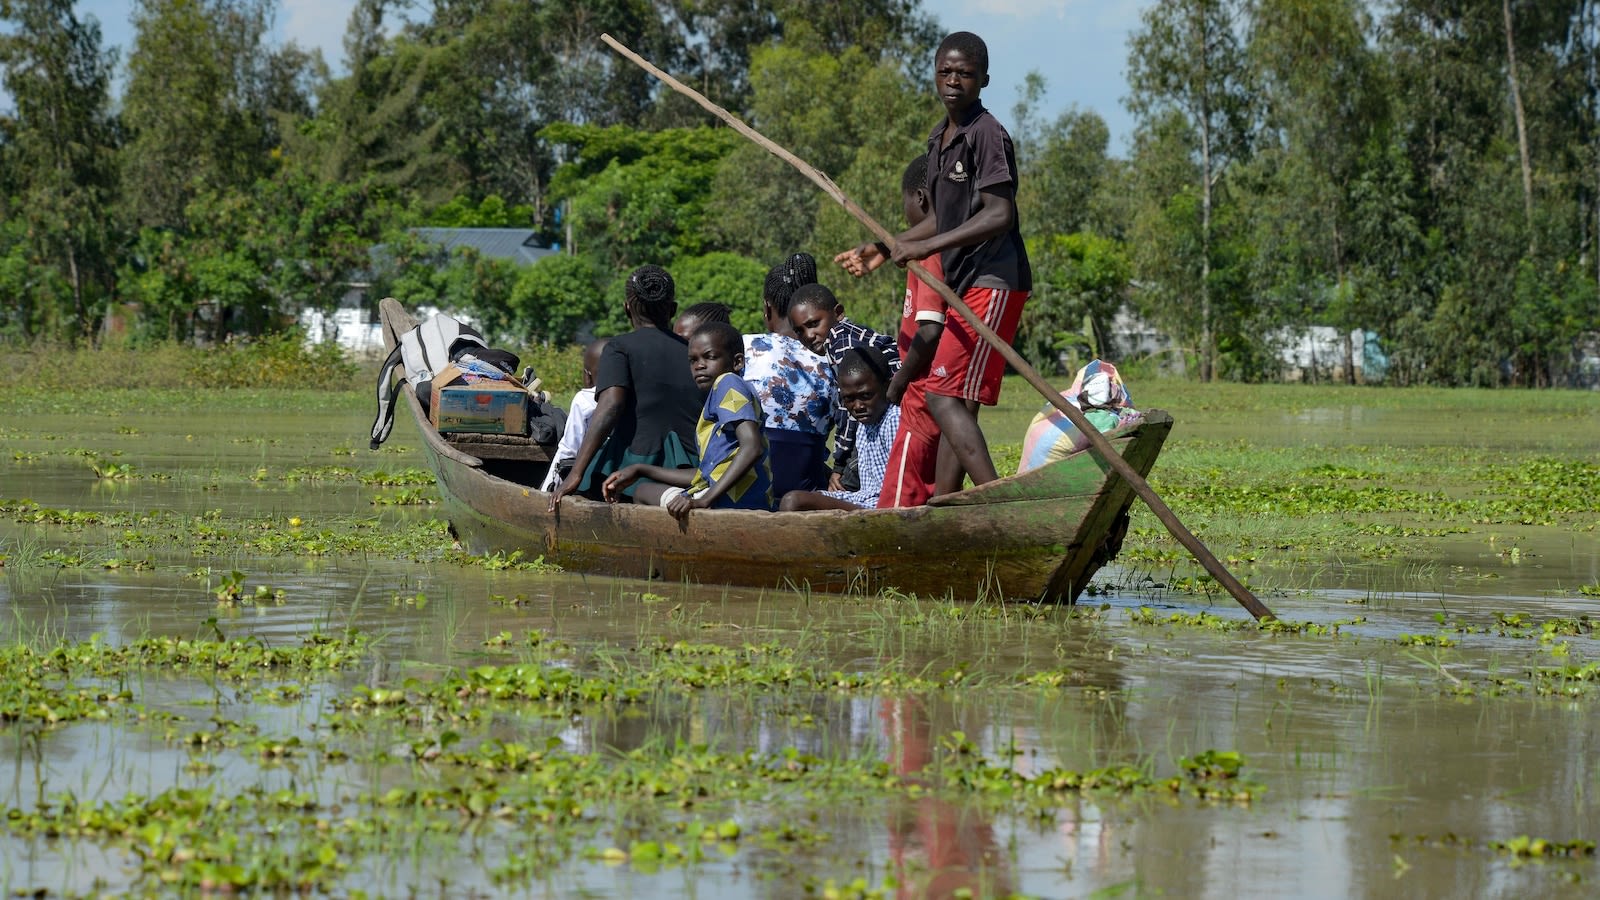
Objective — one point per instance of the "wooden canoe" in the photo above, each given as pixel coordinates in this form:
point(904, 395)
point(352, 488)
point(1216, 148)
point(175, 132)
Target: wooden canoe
point(1038, 536)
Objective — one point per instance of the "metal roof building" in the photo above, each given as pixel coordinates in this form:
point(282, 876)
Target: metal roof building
point(517, 245)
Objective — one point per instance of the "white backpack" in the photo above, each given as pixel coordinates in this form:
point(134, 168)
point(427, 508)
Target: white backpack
point(422, 351)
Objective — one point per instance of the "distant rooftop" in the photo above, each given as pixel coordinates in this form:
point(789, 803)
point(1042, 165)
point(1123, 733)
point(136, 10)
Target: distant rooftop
point(518, 245)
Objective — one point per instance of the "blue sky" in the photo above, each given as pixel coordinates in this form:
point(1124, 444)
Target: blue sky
point(1079, 46)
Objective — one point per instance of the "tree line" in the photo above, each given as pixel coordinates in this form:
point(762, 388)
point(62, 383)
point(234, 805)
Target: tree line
point(1428, 170)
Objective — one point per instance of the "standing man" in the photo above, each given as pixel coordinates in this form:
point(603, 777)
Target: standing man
point(972, 182)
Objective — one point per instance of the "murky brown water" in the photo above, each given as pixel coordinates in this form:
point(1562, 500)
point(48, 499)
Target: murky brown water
point(1370, 764)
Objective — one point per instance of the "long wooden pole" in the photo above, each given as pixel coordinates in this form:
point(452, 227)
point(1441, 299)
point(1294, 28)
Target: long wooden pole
point(1096, 440)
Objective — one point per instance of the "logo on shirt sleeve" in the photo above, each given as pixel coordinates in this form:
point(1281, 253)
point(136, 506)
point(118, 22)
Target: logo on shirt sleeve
point(733, 402)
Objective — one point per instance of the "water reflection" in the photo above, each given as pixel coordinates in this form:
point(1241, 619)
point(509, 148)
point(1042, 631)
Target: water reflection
point(936, 848)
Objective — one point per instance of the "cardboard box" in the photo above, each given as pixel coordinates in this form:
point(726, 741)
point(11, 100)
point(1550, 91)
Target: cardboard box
point(483, 407)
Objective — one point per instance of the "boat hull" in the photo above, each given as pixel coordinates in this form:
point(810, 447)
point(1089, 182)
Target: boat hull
point(1040, 535)
point(1041, 547)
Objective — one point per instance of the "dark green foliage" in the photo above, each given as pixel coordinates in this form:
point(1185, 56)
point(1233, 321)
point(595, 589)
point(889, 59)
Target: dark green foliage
point(491, 212)
point(637, 197)
point(723, 37)
point(1295, 164)
point(371, 123)
point(551, 301)
point(1065, 170)
point(57, 171)
point(1079, 282)
point(203, 90)
point(1186, 61)
point(726, 278)
point(251, 258)
point(43, 298)
point(420, 273)
point(1371, 178)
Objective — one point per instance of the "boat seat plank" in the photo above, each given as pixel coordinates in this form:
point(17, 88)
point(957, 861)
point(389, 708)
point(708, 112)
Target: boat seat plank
point(501, 446)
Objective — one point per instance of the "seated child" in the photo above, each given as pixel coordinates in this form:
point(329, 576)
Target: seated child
point(690, 320)
point(583, 404)
point(733, 472)
point(819, 321)
point(863, 379)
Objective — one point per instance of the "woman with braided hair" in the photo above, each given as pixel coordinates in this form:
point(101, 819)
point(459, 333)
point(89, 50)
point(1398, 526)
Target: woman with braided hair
point(795, 386)
point(646, 401)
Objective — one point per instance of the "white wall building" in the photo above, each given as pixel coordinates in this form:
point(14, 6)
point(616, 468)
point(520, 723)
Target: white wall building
point(354, 325)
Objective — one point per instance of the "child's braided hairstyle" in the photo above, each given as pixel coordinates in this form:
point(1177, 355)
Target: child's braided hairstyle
point(799, 270)
point(709, 311)
point(859, 358)
point(804, 266)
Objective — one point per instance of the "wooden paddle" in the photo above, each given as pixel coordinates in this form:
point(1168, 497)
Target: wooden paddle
point(1096, 439)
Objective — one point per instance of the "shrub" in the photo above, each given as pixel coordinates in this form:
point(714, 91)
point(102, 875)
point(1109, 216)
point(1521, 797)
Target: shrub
point(273, 361)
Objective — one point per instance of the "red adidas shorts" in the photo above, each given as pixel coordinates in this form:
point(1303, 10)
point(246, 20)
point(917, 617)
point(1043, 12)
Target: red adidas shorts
point(914, 458)
point(965, 365)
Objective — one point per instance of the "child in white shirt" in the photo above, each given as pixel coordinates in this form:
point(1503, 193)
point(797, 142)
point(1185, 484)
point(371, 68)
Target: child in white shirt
point(583, 404)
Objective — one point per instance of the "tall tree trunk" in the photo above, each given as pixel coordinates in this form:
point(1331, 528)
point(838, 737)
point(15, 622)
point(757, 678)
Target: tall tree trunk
point(1349, 318)
point(1208, 350)
point(76, 278)
point(1522, 126)
point(1593, 31)
point(1207, 339)
point(1349, 356)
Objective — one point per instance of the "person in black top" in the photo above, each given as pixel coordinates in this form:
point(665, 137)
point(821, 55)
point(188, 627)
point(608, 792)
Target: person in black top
point(646, 401)
point(972, 184)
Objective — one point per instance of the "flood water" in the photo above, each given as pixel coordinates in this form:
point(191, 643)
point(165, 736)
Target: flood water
point(1381, 774)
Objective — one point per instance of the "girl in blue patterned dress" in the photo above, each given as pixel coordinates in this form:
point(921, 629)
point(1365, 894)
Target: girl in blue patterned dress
point(795, 386)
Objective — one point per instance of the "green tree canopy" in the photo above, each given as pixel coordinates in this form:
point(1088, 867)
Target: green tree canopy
point(1079, 282)
point(636, 197)
point(554, 298)
point(203, 89)
point(726, 278)
point(58, 157)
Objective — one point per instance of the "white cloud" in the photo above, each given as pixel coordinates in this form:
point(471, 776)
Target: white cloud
point(317, 23)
